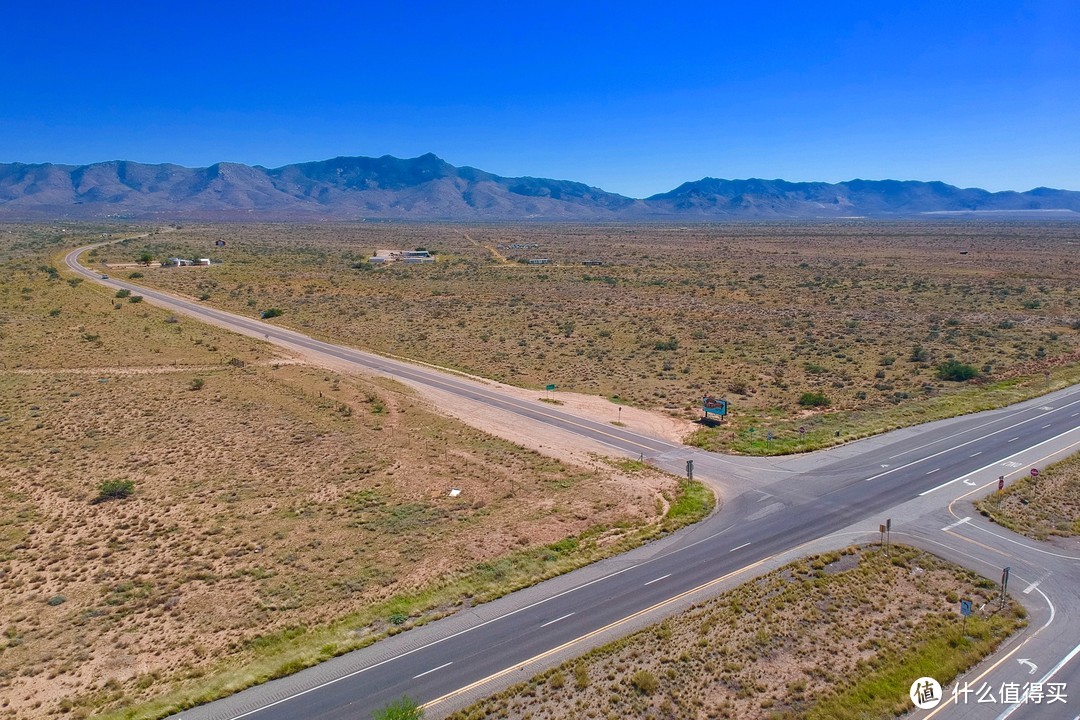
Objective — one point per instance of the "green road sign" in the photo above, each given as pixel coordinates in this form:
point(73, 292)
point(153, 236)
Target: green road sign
point(549, 388)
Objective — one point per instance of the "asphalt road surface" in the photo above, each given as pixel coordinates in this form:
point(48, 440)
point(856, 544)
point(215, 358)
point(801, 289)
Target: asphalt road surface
point(774, 510)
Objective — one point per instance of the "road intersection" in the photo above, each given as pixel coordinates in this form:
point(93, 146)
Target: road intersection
point(923, 479)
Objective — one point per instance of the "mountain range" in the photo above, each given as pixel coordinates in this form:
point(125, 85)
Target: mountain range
point(428, 188)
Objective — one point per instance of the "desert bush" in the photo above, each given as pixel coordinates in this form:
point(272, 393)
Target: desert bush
point(581, 676)
point(956, 371)
point(116, 489)
point(645, 682)
point(123, 293)
point(135, 299)
point(272, 313)
point(813, 399)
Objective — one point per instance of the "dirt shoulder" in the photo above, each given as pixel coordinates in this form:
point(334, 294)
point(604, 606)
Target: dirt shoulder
point(551, 441)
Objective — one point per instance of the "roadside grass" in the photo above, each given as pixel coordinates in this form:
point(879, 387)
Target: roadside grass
point(826, 429)
point(292, 649)
point(863, 315)
point(1039, 507)
point(939, 651)
point(838, 635)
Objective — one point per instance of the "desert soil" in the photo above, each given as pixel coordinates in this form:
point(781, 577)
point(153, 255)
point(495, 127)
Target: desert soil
point(268, 494)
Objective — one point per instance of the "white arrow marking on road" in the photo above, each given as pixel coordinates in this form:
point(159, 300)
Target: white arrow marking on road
point(1025, 661)
point(1031, 587)
point(884, 466)
point(970, 482)
point(955, 524)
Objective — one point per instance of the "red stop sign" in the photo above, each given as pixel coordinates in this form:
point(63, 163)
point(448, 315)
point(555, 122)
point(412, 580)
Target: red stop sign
point(1034, 472)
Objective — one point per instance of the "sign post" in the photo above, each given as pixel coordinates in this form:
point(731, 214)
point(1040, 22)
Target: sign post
point(888, 529)
point(1001, 483)
point(965, 610)
point(1004, 585)
point(690, 470)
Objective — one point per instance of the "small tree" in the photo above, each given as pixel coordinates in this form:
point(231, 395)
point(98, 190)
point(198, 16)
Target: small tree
point(404, 709)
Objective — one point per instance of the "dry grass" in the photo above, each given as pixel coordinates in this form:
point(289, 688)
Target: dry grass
point(860, 312)
point(1041, 507)
point(280, 513)
point(841, 635)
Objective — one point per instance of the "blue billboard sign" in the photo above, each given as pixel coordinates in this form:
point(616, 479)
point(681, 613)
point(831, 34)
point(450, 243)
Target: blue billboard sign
point(716, 406)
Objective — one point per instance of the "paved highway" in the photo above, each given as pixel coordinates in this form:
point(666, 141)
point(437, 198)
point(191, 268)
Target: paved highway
point(773, 507)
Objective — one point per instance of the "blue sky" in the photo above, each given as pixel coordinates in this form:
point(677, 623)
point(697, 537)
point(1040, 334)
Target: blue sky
point(632, 97)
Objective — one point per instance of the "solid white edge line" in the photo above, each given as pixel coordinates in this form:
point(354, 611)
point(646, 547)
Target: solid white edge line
point(957, 447)
point(998, 462)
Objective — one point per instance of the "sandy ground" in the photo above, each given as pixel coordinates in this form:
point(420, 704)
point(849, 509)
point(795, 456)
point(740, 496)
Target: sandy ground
point(550, 441)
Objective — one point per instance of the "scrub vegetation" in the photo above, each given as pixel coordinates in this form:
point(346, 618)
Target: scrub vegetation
point(831, 637)
point(816, 333)
point(1040, 507)
point(185, 512)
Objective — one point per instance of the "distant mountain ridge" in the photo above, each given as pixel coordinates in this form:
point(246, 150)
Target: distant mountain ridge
point(429, 188)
